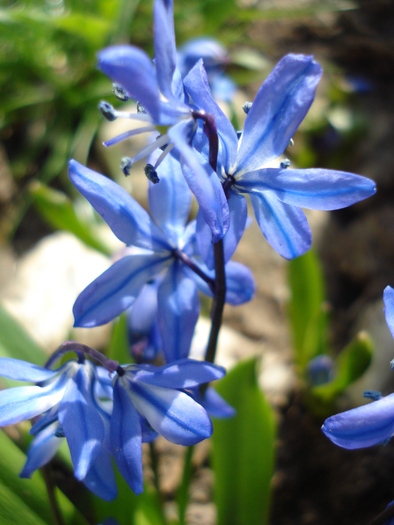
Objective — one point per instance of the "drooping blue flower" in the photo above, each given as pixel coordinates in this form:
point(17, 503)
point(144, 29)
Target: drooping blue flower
point(159, 88)
point(159, 396)
point(100, 478)
point(70, 409)
point(215, 58)
point(371, 424)
point(277, 193)
point(164, 242)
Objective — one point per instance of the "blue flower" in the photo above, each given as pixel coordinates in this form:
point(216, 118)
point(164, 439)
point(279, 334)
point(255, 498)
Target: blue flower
point(164, 244)
point(159, 88)
point(370, 424)
point(276, 193)
point(70, 408)
point(160, 396)
point(215, 58)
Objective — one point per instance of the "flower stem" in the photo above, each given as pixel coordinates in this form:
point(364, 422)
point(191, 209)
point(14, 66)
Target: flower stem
point(81, 350)
point(183, 493)
point(155, 466)
point(193, 266)
point(210, 131)
point(48, 478)
point(218, 302)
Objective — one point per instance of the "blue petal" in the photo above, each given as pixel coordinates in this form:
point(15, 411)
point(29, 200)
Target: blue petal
point(170, 200)
point(41, 450)
point(25, 402)
point(101, 478)
point(178, 311)
point(126, 437)
point(185, 373)
point(278, 109)
point(196, 84)
point(81, 421)
point(143, 313)
point(363, 426)
point(133, 69)
point(388, 298)
point(223, 87)
point(173, 414)
point(202, 181)
point(103, 387)
point(126, 218)
point(45, 420)
point(116, 289)
point(238, 214)
point(214, 404)
point(285, 227)
point(240, 285)
point(24, 371)
point(165, 48)
point(214, 55)
point(317, 189)
point(147, 433)
point(189, 245)
point(143, 330)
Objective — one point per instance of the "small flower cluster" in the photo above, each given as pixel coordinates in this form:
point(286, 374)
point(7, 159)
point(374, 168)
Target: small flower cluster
point(104, 412)
point(108, 411)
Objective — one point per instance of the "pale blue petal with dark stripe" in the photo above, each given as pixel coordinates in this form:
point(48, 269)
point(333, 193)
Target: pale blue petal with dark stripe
point(363, 426)
point(127, 219)
point(185, 373)
point(41, 450)
point(173, 414)
point(126, 436)
point(284, 226)
point(316, 189)
point(178, 311)
point(116, 289)
point(81, 421)
point(24, 371)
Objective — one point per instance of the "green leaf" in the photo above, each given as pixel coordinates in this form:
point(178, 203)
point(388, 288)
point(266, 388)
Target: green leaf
point(119, 346)
point(57, 209)
point(26, 500)
point(251, 59)
point(243, 450)
point(16, 343)
point(149, 510)
point(308, 319)
point(129, 509)
point(349, 366)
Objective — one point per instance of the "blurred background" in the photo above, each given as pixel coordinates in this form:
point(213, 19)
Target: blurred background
point(52, 245)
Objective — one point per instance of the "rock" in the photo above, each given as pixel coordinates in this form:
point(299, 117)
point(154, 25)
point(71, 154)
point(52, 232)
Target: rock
point(45, 283)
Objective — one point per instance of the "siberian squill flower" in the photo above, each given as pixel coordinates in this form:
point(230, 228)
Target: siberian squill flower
point(167, 248)
point(371, 424)
point(70, 408)
point(215, 58)
point(158, 87)
point(161, 397)
point(277, 193)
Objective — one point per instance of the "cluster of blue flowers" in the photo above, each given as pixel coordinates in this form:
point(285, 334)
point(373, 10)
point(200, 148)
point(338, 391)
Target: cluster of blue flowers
point(108, 410)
